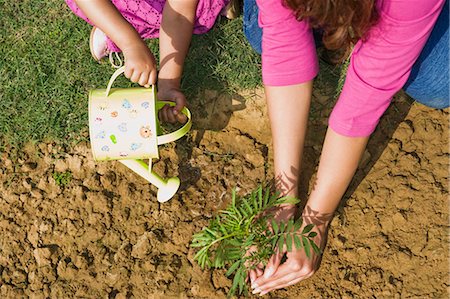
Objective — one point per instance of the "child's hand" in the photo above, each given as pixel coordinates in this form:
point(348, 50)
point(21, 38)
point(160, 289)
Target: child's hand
point(140, 64)
point(168, 113)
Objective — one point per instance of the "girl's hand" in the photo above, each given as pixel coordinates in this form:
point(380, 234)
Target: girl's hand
point(171, 114)
point(297, 266)
point(140, 64)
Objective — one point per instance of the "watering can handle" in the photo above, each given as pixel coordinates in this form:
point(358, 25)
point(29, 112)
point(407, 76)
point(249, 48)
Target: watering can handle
point(158, 105)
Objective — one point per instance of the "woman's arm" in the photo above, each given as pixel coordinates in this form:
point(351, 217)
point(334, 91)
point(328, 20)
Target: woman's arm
point(174, 40)
point(288, 108)
point(140, 65)
point(381, 64)
point(379, 68)
point(338, 163)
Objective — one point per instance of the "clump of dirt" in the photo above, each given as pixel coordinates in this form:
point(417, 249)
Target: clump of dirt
point(72, 227)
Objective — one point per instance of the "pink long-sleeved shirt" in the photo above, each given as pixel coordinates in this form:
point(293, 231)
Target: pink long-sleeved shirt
point(379, 66)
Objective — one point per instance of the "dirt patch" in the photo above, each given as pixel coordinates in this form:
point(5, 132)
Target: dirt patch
point(74, 228)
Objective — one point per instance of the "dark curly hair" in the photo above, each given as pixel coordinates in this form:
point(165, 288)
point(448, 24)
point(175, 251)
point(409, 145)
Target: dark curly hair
point(343, 22)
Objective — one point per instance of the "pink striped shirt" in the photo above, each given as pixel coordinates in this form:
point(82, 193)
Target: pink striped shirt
point(379, 66)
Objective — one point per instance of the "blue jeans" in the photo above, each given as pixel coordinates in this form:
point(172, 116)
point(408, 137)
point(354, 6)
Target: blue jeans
point(252, 31)
point(428, 82)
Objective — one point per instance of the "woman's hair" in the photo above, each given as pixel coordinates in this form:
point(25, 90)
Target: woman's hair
point(343, 22)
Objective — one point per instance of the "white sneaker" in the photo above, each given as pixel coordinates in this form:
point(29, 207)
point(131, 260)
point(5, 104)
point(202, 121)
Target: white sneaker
point(232, 10)
point(99, 47)
point(97, 44)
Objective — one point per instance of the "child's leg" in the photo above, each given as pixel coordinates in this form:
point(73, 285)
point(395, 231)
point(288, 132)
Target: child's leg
point(429, 82)
point(207, 13)
point(144, 16)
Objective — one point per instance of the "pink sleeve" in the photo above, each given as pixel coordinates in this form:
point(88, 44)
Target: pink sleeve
point(381, 65)
point(288, 50)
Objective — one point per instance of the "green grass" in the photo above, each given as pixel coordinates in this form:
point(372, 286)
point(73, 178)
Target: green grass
point(46, 70)
point(62, 178)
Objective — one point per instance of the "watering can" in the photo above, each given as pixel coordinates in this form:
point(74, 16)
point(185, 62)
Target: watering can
point(124, 126)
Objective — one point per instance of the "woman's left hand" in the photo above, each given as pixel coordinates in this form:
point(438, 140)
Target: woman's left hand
point(296, 268)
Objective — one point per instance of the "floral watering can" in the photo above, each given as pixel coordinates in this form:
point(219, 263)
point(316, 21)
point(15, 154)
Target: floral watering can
point(124, 126)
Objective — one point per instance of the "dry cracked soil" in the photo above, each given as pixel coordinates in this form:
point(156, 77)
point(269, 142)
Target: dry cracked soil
point(71, 227)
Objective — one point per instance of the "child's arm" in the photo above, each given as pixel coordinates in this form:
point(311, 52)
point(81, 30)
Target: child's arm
point(174, 40)
point(140, 65)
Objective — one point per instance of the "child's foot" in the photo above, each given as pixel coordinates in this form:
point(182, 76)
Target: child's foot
point(232, 10)
point(97, 44)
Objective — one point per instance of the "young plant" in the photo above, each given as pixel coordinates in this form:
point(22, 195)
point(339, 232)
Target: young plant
point(245, 235)
point(62, 179)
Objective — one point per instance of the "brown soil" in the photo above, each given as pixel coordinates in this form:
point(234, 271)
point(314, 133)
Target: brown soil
point(104, 235)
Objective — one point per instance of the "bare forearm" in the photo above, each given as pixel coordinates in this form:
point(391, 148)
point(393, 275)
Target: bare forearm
point(288, 114)
point(175, 37)
point(106, 17)
point(338, 163)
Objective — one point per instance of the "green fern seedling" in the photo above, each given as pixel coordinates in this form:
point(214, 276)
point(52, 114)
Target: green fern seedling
point(244, 227)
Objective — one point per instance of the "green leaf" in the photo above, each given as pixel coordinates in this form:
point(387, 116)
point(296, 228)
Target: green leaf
point(290, 225)
point(211, 232)
point(200, 253)
point(260, 198)
point(314, 246)
point(306, 246)
point(233, 197)
point(255, 202)
point(281, 244)
point(307, 229)
point(298, 224)
point(275, 227)
point(199, 244)
point(234, 242)
point(223, 230)
point(289, 242)
point(249, 208)
point(238, 214)
point(282, 227)
point(243, 212)
point(266, 197)
point(297, 242)
point(290, 200)
point(235, 284)
point(241, 280)
point(233, 268)
point(274, 242)
point(312, 234)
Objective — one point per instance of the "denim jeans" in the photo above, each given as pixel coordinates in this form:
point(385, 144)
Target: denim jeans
point(429, 80)
point(252, 31)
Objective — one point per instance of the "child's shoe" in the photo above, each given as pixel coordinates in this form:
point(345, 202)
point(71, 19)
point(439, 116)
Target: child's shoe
point(99, 47)
point(232, 10)
point(97, 44)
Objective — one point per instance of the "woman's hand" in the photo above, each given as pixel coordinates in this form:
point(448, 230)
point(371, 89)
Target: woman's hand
point(297, 266)
point(280, 213)
point(140, 64)
point(171, 92)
